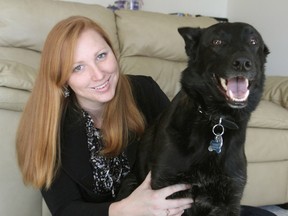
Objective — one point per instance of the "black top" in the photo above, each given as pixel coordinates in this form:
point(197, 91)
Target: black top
point(71, 193)
point(72, 190)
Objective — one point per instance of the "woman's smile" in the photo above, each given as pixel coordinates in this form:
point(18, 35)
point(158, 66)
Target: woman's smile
point(102, 87)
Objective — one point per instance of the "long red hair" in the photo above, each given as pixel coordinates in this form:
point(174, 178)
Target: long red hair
point(38, 136)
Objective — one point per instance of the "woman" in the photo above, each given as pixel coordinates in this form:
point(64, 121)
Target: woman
point(76, 135)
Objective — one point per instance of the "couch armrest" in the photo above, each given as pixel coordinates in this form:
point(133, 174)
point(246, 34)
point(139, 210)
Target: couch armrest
point(276, 90)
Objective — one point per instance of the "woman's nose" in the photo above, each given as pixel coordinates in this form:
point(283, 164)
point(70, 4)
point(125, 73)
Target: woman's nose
point(96, 73)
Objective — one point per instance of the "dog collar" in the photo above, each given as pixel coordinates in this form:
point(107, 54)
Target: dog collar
point(218, 130)
point(225, 122)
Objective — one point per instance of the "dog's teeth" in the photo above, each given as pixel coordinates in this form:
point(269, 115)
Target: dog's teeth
point(237, 99)
point(247, 83)
point(223, 83)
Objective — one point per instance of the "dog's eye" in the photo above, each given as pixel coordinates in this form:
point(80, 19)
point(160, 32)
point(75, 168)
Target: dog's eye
point(217, 42)
point(253, 41)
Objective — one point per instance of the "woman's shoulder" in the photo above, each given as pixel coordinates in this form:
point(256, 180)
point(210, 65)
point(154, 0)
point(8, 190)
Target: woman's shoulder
point(141, 81)
point(142, 84)
point(150, 98)
point(145, 86)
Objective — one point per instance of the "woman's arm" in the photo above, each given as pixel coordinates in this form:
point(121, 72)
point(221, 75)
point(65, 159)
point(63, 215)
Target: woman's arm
point(147, 202)
point(64, 199)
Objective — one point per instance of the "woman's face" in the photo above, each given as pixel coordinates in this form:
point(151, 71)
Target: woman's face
point(95, 71)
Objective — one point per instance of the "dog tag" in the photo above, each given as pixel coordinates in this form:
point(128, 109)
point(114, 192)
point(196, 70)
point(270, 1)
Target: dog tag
point(217, 143)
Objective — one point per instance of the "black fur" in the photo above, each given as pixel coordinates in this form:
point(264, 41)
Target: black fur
point(175, 149)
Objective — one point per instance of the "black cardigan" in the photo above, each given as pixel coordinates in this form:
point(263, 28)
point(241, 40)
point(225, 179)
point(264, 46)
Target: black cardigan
point(71, 192)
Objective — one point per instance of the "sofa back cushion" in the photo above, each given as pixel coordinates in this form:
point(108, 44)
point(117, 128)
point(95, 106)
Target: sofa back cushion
point(150, 44)
point(24, 26)
point(26, 23)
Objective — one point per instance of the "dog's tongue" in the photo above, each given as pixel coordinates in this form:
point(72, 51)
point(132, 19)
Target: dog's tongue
point(237, 88)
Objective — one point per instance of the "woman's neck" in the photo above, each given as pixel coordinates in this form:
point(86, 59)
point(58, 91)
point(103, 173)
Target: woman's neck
point(96, 115)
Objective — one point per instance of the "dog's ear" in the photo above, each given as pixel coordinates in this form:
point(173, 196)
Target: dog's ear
point(266, 50)
point(191, 37)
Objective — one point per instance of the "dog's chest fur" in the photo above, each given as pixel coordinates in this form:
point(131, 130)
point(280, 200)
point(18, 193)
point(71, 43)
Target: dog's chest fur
point(216, 179)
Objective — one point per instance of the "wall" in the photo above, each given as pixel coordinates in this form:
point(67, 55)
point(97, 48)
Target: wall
point(204, 7)
point(267, 16)
point(216, 8)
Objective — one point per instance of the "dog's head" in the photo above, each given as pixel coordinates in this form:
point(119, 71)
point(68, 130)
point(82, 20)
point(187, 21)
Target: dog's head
point(226, 63)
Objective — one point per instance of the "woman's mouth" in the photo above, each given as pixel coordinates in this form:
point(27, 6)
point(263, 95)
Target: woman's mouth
point(102, 86)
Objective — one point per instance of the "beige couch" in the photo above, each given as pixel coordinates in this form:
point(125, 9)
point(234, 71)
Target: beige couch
point(146, 43)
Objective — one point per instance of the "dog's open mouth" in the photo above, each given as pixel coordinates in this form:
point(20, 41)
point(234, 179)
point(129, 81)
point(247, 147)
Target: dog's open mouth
point(236, 90)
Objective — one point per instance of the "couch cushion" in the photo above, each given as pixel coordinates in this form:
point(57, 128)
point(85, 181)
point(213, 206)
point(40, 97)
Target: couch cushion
point(150, 34)
point(165, 73)
point(263, 144)
point(20, 55)
point(150, 44)
point(27, 61)
point(13, 99)
point(276, 90)
point(15, 197)
point(269, 115)
point(16, 75)
point(18, 26)
point(268, 122)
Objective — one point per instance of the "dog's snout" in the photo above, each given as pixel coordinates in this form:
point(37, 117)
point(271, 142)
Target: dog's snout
point(242, 64)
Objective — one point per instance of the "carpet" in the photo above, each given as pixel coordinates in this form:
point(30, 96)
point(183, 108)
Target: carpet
point(255, 211)
point(276, 210)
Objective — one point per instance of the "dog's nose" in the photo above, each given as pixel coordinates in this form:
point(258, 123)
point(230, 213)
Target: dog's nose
point(242, 64)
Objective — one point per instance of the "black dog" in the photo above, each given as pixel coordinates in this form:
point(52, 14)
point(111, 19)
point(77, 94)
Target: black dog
point(200, 138)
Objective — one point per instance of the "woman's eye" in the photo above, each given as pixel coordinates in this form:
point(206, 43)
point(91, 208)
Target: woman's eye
point(101, 56)
point(78, 68)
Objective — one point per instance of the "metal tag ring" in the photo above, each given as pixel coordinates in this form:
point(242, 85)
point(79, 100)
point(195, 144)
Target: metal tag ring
point(221, 129)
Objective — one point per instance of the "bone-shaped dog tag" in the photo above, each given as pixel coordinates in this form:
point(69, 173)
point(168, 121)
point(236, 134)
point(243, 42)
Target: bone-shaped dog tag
point(217, 142)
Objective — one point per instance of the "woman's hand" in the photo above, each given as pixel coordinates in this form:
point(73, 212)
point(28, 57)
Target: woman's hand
point(147, 202)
